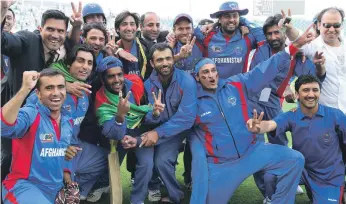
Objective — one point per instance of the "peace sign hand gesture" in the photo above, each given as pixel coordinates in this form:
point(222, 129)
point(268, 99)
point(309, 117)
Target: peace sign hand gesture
point(124, 104)
point(305, 38)
point(158, 106)
point(186, 50)
point(76, 17)
point(254, 124)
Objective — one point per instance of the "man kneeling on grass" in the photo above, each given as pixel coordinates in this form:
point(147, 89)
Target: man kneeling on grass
point(315, 130)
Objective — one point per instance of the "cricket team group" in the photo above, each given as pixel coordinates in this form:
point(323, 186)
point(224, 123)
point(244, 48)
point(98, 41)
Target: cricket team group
point(70, 94)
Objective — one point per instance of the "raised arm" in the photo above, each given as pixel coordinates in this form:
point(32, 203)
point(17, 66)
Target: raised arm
point(15, 122)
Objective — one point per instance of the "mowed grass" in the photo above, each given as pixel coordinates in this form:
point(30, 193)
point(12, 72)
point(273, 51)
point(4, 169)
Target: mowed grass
point(247, 193)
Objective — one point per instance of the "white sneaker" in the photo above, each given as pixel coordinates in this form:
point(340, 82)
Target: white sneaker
point(299, 190)
point(95, 195)
point(81, 197)
point(267, 201)
point(154, 195)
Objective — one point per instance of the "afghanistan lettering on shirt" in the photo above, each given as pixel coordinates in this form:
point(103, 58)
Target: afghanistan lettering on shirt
point(230, 60)
point(52, 152)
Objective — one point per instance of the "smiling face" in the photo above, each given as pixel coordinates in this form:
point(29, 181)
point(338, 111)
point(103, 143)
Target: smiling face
point(275, 37)
point(127, 29)
point(114, 79)
point(52, 91)
point(82, 66)
point(96, 39)
point(53, 33)
point(151, 26)
point(330, 34)
point(10, 20)
point(208, 77)
point(182, 30)
point(163, 61)
point(308, 95)
point(229, 22)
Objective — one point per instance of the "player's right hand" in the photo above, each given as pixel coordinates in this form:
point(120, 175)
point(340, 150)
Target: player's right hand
point(30, 79)
point(124, 104)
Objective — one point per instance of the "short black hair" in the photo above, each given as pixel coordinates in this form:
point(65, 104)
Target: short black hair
point(14, 15)
point(160, 47)
point(98, 26)
point(55, 14)
point(144, 15)
point(306, 79)
point(205, 22)
point(71, 56)
point(271, 21)
point(48, 72)
point(121, 17)
point(341, 12)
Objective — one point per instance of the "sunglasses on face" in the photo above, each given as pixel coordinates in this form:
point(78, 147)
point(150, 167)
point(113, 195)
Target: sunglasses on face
point(328, 25)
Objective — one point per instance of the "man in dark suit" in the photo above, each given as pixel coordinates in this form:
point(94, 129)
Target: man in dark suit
point(150, 29)
point(32, 51)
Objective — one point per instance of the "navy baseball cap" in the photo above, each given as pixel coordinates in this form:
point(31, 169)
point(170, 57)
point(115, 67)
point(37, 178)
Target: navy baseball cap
point(228, 7)
point(181, 16)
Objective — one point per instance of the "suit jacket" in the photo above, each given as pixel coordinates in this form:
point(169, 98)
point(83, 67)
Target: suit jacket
point(25, 50)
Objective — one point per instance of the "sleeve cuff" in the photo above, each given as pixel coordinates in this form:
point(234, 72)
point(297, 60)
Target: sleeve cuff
point(160, 133)
point(139, 141)
point(292, 50)
point(4, 121)
point(322, 78)
point(67, 170)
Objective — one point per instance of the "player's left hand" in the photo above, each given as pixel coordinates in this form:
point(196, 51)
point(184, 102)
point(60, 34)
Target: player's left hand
point(253, 124)
point(71, 152)
point(149, 139)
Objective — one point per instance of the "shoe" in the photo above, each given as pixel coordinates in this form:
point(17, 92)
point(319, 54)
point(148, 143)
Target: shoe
point(95, 195)
point(81, 197)
point(154, 195)
point(267, 201)
point(299, 190)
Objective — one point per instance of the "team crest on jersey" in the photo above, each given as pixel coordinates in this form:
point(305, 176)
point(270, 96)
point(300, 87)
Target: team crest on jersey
point(237, 51)
point(216, 49)
point(232, 100)
point(46, 137)
point(179, 64)
point(67, 107)
point(326, 138)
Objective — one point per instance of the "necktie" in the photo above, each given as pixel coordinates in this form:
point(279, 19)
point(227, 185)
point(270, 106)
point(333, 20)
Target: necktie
point(51, 58)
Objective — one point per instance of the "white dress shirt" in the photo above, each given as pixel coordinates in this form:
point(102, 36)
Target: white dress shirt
point(333, 91)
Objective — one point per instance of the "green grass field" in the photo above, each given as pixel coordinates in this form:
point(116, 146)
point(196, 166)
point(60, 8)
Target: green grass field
point(247, 193)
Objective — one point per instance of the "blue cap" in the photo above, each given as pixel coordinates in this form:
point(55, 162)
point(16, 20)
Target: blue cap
point(227, 7)
point(108, 62)
point(201, 63)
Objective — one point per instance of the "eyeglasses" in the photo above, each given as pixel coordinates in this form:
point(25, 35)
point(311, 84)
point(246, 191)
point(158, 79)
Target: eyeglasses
point(328, 25)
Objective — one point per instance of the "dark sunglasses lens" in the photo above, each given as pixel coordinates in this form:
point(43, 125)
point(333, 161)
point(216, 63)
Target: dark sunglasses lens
point(335, 25)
